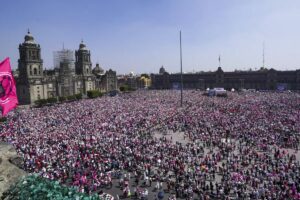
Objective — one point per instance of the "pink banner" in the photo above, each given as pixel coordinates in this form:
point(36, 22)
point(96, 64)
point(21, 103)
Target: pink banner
point(8, 94)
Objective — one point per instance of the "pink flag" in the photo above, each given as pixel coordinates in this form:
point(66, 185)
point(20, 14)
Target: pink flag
point(8, 94)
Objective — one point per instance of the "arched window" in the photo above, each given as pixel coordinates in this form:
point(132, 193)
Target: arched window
point(35, 71)
point(87, 70)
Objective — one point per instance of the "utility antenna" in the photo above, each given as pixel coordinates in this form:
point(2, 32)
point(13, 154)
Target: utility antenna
point(219, 60)
point(263, 54)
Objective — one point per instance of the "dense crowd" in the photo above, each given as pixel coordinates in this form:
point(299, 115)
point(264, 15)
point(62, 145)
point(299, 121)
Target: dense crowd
point(244, 146)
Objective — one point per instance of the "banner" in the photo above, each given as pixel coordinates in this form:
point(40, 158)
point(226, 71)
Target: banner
point(8, 94)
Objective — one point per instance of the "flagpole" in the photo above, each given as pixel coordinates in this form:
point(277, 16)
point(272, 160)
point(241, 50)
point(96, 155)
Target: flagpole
point(263, 54)
point(181, 95)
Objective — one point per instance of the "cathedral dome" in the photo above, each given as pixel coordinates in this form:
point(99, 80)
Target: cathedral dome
point(29, 38)
point(162, 70)
point(82, 46)
point(98, 70)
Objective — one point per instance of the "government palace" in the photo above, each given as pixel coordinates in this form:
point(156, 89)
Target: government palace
point(262, 79)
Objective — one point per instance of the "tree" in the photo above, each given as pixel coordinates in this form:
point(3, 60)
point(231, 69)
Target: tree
point(71, 97)
point(52, 100)
point(41, 102)
point(78, 96)
point(61, 99)
point(124, 88)
point(94, 94)
point(36, 187)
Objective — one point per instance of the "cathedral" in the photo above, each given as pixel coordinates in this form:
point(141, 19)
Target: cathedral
point(70, 76)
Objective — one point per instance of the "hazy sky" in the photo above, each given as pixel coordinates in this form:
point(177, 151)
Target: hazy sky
point(142, 35)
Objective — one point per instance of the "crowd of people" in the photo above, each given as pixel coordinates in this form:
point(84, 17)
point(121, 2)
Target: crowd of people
point(244, 146)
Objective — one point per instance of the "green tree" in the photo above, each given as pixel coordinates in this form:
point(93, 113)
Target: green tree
point(52, 100)
point(36, 187)
point(40, 102)
point(61, 99)
point(78, 96)
point(94, 94)
point(71, 97)
point(124, 88)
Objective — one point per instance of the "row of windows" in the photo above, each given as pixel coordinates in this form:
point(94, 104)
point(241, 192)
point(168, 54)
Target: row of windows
point(85, 58)
point(35, 72)
point(31, 55)
point(34, 55)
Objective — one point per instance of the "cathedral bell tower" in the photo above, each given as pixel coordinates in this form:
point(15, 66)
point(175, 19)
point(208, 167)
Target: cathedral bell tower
point(30, 65)
point(83, 69)
point(83, 65)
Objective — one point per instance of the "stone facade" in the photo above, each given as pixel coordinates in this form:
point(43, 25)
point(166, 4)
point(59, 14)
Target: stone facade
point(129, 80)
point(264, 79)
point(105, 81)
point(31, 81)
point(69, 77)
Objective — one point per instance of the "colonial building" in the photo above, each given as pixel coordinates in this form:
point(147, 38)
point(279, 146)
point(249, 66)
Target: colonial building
point(105, 81)
point(129, 80)
point(264, 79)
point(70, 76)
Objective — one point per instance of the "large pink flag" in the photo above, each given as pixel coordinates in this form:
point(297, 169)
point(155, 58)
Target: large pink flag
point(8, 94)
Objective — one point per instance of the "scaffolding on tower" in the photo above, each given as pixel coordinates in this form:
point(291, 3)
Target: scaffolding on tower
point(65, 56)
